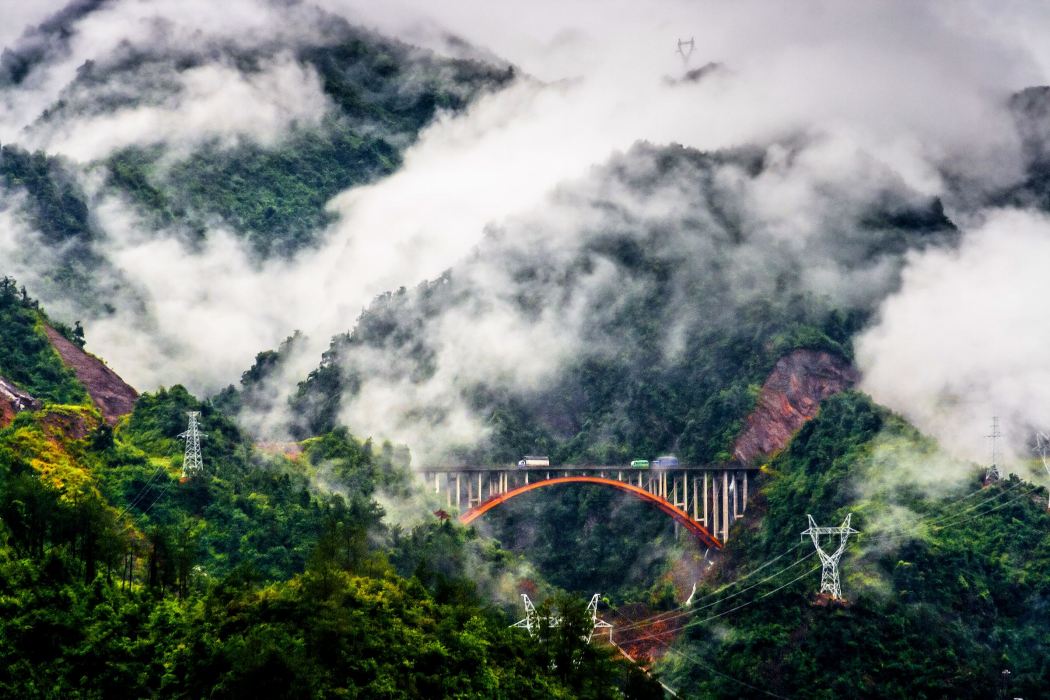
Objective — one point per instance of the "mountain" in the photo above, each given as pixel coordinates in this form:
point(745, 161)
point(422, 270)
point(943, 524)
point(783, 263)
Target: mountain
point(269, 185)
point(654, 321)
point(269, 574)
point(946, 585)
point(188, 181)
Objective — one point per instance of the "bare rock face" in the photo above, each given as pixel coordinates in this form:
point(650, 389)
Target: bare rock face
point(13, 400)
point(111, 394)
point(791, 396)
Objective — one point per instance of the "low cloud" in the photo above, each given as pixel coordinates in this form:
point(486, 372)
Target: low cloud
point(215, 105)
point(966, 337)
point(856, 102)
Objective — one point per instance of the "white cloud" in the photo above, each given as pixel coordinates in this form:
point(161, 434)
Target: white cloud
point(967, 337)
point(214, 104)
point(884, 95)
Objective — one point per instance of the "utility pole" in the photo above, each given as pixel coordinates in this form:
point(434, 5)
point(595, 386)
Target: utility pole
point(192, 464)
point(829, 576)
point(993, 473)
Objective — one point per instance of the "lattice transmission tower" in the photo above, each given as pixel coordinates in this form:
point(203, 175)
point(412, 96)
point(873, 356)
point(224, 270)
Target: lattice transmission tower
point(533, 619)
point(993, 473)
point(192, 463)
point(596, 622)
point(829, 575)
point(686, 48)
point(1042, 444)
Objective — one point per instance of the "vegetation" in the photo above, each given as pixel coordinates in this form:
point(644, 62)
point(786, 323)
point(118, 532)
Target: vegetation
point(590, 539)
point(275, 575)
point(645, 378)
point(279, 574)
point(26, 355)
point(940, 602)
point(275, 196)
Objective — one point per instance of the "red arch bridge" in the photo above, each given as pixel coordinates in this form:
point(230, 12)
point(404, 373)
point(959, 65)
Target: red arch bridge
point(704, 500)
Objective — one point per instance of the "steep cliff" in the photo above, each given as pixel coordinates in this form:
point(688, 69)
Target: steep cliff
point(13, 400)
point(111, 394)
point(790, 396)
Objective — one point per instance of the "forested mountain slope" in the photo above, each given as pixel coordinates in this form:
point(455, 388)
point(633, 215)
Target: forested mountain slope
point(268, 574)
point(264, 168)
point(643, 312)
point(947, 582)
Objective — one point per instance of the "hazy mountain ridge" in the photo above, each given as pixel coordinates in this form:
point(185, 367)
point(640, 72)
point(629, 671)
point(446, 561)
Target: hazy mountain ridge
point(370, 96)
point(113, 572)
point(695, 303)
point(196, 184)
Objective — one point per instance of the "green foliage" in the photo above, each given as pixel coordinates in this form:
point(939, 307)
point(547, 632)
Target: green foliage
point(117, 580)
point(56, 207)
point(938, 612)
point(275, 195)
point(587, 539)
point(26, 355)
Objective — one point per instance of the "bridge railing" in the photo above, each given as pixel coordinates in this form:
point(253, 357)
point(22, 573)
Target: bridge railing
point(713, 496)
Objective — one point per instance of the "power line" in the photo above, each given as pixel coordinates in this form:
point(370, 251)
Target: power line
point(664, 617)
point(711, 669)
point(954, 518)
point(691, 605)
point(162, 492)
point(646, 622)
point(141, 493)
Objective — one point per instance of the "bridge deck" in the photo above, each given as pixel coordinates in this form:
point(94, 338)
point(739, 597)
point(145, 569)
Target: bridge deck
point(577, 468)
point(713, 496)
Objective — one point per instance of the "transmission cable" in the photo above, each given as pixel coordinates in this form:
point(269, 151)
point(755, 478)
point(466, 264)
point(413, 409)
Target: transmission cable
point(692, 611)
point(664, 617)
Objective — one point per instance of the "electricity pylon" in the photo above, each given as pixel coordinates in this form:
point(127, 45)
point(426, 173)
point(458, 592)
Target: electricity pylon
point(683, 45)
point(596, 622)
point(829, 575)
point(993, 473)
point(192, 464)
point(533, 619)
point(1042, 443)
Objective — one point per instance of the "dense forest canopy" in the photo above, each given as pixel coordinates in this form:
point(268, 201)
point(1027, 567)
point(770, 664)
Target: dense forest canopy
point(357, 242)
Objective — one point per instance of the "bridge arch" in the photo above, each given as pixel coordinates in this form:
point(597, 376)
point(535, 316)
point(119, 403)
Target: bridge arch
point(663, 504)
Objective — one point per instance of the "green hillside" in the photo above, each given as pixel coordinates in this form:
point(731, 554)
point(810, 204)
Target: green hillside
point(945, 590)
point(274, 573)
point(675, 338)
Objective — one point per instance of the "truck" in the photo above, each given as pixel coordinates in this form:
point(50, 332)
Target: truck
point(533, 461)
point(665, 461)
point(639, 464)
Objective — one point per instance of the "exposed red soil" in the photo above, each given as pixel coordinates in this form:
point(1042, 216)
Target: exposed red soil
point(13, 400)
point(791, 396)
point(291, 450)
point(71, 426)
point(824, 600)
point(111, 394)
point(645, 644)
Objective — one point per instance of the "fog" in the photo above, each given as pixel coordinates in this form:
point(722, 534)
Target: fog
point(857, 101)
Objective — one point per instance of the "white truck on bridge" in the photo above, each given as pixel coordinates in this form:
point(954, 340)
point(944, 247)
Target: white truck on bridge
point(532, 461)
